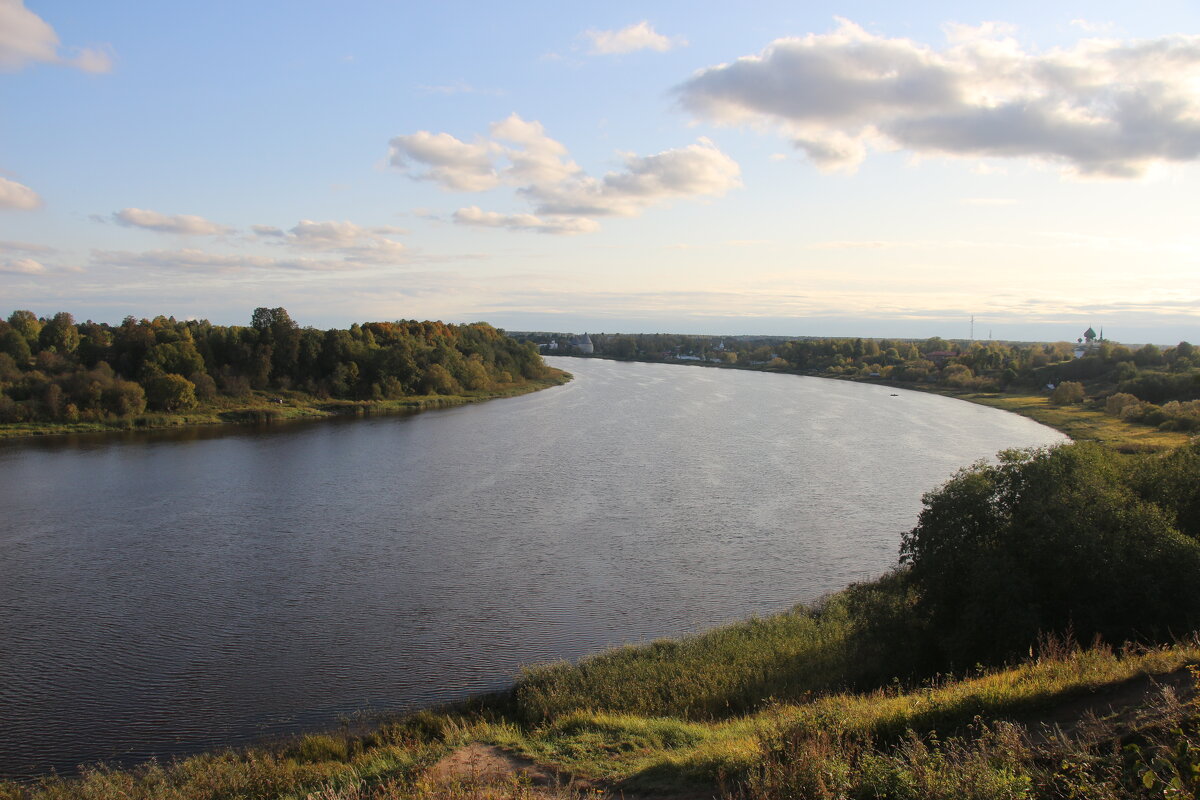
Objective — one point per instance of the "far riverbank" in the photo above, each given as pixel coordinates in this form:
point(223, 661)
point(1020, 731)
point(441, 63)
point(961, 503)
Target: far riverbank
point(280, 406)
point(1080, 423)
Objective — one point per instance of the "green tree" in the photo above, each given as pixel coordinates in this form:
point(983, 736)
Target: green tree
point(438, 380)
point(180, 358)
point(1148, 356)
point(60, 333)
point(27, 324)
point(124, 398)
point(1049, 541)
point(15, 345)
point(1067, 393)
point(170, 392)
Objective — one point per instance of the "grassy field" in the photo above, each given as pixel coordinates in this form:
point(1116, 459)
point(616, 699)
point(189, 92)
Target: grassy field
point(1081, 423)
point(278, 406)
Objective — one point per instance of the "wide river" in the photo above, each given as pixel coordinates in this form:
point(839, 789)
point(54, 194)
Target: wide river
point(163, 593)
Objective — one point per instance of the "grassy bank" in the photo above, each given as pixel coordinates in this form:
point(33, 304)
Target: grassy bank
point(1078, 421)
point(279, 406)
point(1045, 721)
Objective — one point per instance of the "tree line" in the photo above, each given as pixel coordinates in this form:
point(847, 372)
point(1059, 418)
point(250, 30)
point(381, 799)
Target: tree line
point(1157, 386)
point(55, 369)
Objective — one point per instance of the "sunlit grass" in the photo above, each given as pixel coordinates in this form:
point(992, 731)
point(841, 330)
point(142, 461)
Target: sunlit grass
point(1082, 423)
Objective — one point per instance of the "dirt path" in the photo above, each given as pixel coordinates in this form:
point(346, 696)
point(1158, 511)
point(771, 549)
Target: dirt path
point(1123, 707)
point(486, 772)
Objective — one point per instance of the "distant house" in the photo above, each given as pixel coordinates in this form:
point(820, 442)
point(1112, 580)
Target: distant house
point(940, 357)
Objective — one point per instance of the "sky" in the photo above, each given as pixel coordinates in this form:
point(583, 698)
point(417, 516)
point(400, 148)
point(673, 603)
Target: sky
point(796, 169)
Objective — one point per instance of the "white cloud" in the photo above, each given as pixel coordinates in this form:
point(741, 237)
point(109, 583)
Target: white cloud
point(16, 195)
point(22, 266)
point(452, 163)
point(698, 169)
point(329, 246)
point(355, 243)
point(558, 187)
point(1101, 108)
point(25, 247)
point(539, 159)
point(474, 215)
point(182, 224)
point(27, 258)
point(639, 36)
point(26, 38)
point(194, 260)
point(1092, 27)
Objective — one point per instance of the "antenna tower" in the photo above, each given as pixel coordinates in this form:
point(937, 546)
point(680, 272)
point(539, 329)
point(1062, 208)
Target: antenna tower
point(972, 327)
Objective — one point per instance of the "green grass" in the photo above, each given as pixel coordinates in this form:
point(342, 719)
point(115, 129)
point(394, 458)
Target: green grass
point(1082, 423)
point(725, 671)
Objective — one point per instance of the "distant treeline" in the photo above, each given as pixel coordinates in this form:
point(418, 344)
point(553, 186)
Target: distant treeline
point(57, 369)
point(1159, 386)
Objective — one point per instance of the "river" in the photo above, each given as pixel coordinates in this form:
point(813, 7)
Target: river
point(163, 593)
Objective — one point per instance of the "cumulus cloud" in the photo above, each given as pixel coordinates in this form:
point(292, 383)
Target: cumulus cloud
point(22, 266)
point(537, 159)
point(16, 195)
point(182, 224)
point(521, 154)
point(26, 38)
point(1102, 108)
point(355, 243)
point(267, 230)
point(452, 163)
point(698, 169)
point(639, 36)
point(474, 215)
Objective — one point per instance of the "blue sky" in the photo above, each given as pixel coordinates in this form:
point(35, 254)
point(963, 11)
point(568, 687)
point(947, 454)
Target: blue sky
point(799, 169)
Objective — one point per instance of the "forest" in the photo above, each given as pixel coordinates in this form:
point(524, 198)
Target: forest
point(54, 369)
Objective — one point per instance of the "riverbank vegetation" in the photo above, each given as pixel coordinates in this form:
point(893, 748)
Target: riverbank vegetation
point(57, 375)
point(1144, 398)
point(958, 674)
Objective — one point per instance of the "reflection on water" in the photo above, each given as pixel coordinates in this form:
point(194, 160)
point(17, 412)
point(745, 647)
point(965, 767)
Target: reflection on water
point(169, 591)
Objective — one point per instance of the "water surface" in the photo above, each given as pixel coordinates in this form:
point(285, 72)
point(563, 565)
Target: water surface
point(168, 592)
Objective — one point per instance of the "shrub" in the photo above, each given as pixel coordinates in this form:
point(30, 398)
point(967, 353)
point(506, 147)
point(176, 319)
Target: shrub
point(1067, 393)
point(1116, 404)
point(170, 392)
